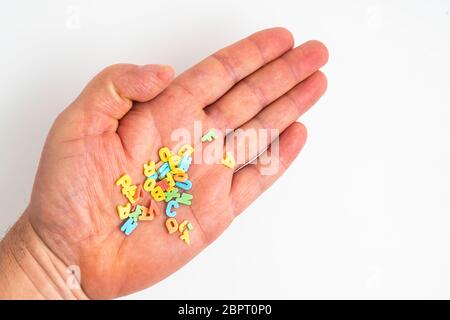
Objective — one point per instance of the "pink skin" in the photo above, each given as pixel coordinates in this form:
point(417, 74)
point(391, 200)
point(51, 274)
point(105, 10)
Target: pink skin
point(119, 122)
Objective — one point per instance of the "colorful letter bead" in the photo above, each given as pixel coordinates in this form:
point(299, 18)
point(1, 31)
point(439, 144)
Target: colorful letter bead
point(185, 198)
point(185, 150)
point(189, 226)
point(129, 192)
point(185, 163)
point(163, 170)
point(171, 194)
point(209, 136)
point(146, 214)
point(158, 193)
point(130, 198)
point(163, 184)
point(149, 169)
point(174, 161)
point(172, 225)
point(170, 205)
point(186, 185)
point(180, 177)
point(229, 160)
point(123, 211)
point(185, 237)
point(170, 180)
point(139, 194)
point(183, 226)
point(129, 226)
point(153, 208)
point(165, 154)
point(136, 213)
point(176, 171)
point(149, 184)
point(124, 181)
point(158, 165)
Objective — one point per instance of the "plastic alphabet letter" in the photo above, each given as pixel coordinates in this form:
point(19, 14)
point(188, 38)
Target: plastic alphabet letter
point(146, 214)
point(209, 136)
point(172, 194)
point(185, 237)
point(153, 208)
point(185, 163)
point(229, 160)
point(124, 181)
point(170, 180)
point(174, 161)
point(185, 198)
point(170, 205)
point(176, 171)
point(138, 194)
point(185, 150)
point(124, 211)
point(164, 154)
point(182, 226)
point(149, 184)
point(158, 194)
point(158, 165)
point(129, 192)
point(180, 177)
point(163, 170)
point(129, 226)
point(163, 184)
point(136, 213)
point(149, 169)
point(171, 225)
point(186, 185)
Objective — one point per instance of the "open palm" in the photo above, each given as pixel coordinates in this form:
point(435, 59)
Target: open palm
point(120, 121)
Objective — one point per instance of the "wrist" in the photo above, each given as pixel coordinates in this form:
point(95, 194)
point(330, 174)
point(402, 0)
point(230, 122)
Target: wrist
point(30, 270)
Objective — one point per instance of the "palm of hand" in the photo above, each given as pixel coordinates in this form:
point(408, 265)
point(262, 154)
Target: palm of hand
point(98, 138)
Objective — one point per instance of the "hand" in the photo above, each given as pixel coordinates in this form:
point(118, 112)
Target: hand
point(119, 122)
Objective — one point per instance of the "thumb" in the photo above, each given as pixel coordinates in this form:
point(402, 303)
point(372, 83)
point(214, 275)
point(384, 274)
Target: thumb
point(114, 89)
point(109, 96)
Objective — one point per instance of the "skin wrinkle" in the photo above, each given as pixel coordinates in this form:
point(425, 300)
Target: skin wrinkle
point(35, 286)
point(76, 209)
point(259, 49)
point(258, 92)
point(45, 272)
point(76, 294)
point(96, 191)
point(295, 74)
point(120, 98)
point(83, 134)
point(292, 100)
point(60, 239)
point(189, 93)
point(128, 153)
point(223, 60)
point(68, 141)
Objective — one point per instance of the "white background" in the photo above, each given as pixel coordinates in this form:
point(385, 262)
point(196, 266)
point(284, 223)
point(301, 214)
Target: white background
point(363, 213)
